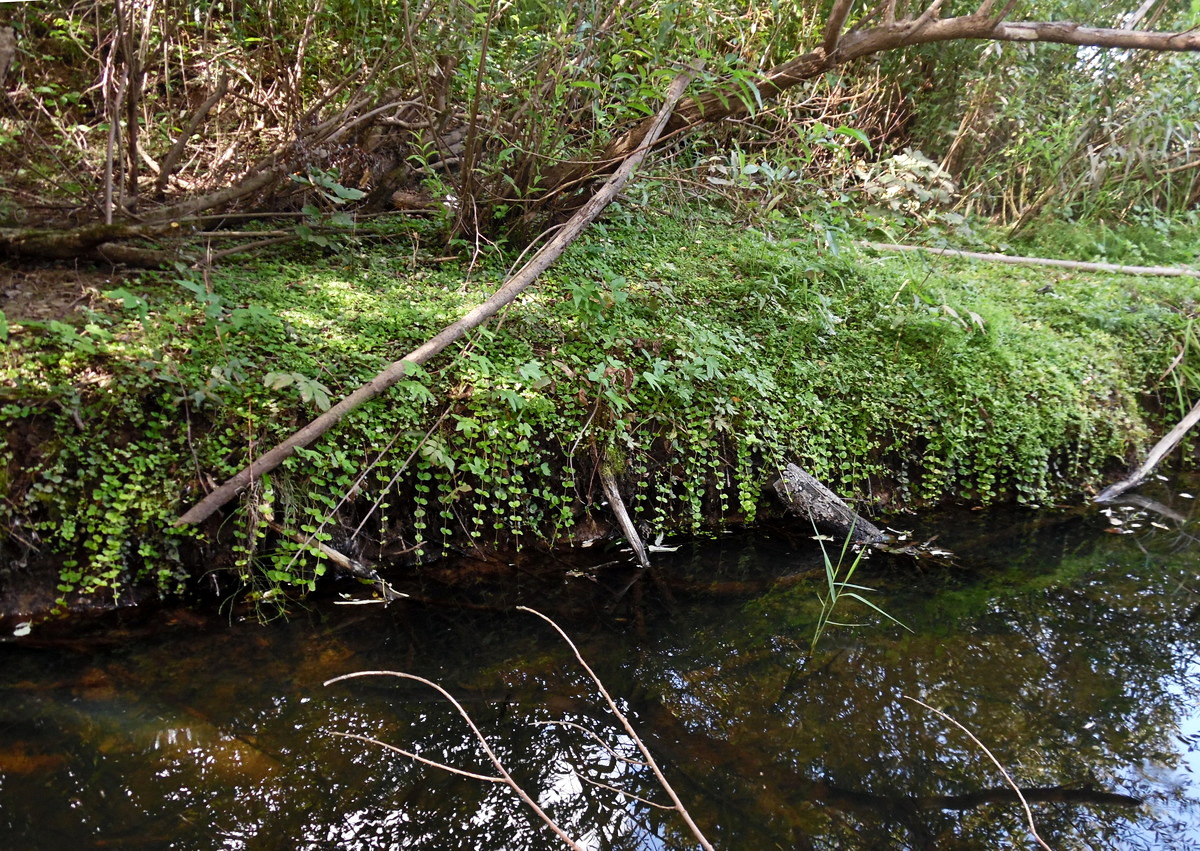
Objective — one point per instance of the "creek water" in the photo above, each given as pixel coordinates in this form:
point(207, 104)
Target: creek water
point(1064, 641)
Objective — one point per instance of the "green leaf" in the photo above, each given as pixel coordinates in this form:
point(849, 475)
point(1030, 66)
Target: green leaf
point(278, 380)
point(857, 135)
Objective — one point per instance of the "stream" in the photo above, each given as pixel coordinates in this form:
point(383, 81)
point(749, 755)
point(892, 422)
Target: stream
point(1065, 641)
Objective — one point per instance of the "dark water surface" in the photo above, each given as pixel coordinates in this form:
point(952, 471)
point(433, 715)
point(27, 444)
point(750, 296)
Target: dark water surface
point(1068, 650)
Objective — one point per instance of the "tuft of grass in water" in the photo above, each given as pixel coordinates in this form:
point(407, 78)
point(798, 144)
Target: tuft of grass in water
point(838, 587)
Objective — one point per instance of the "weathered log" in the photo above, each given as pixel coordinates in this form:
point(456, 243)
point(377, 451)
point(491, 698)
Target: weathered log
point(609, 483)
point(1160, 451)
point(808, 498)
point(94, 242)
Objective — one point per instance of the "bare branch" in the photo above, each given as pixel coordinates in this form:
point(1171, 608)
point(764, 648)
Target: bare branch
point(620, 716)
point(609, 483)
point(504, 777)
point(462, 772)
point(928, 15)
point(171, 162)
point(597, 739)
point(720, 103)
point(1007, 778)
point(833, 29)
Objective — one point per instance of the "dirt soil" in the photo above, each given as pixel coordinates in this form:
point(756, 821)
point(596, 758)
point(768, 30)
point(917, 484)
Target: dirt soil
point(48, 292)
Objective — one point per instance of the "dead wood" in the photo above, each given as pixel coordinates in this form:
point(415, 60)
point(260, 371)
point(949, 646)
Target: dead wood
point(353, 567)
point(617, 504)
point(90, 242)
point(171, 162)
point(1078, 265)
point(808, 498)
point(1161, 450)
point(515, 285)
point(729, 100)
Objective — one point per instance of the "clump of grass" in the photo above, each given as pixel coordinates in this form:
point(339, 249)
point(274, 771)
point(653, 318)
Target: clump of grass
point(838, 587)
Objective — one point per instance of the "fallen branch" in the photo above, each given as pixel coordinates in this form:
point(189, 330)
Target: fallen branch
point(171, 162)
point(1161, 450)
point(634, 737)
point(1007, 777)
point(1077, 265)
point(613, 493)
point(394, 372)
point(807, 497)
point(502, 775)
point(344, 562)
point(51, 244)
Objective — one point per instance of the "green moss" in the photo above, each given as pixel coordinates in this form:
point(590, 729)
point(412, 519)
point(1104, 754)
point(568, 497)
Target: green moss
point(704, 354)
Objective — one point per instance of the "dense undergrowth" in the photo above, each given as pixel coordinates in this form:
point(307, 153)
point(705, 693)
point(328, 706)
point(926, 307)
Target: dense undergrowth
point(690, 354)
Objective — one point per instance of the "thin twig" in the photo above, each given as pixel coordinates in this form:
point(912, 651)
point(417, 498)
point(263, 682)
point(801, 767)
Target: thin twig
point(620, 716)
point(504, 777)
point(1007, 778)
point(597, 739)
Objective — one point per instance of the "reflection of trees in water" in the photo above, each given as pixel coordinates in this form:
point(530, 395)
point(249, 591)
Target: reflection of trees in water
point(1070, 687)
point(1076, 688)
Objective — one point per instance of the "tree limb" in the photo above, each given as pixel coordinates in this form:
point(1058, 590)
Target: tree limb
point(1161, 450)
point(833, 29)
point(724, 101)
point(394, 372)
point(173, 156)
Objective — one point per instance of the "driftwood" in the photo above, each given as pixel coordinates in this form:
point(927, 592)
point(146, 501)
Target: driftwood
point(1161, 450)
point(1078, 265)
point(613, 493)
point(808, 498)
point(395, 371)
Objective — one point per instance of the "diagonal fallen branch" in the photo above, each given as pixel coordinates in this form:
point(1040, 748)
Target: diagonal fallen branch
point(1078, 265)
point(1161, 450)
point(395, 371)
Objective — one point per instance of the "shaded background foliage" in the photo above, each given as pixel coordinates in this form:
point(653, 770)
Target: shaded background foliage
point(416, 103)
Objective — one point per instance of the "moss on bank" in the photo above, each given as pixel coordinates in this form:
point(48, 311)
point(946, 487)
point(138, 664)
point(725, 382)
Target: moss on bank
point(693, 355)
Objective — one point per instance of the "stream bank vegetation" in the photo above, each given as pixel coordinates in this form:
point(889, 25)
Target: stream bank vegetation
point(716, 324)
point(691, 354)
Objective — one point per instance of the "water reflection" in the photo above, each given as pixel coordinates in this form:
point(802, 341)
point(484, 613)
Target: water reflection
point(1069, 651)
